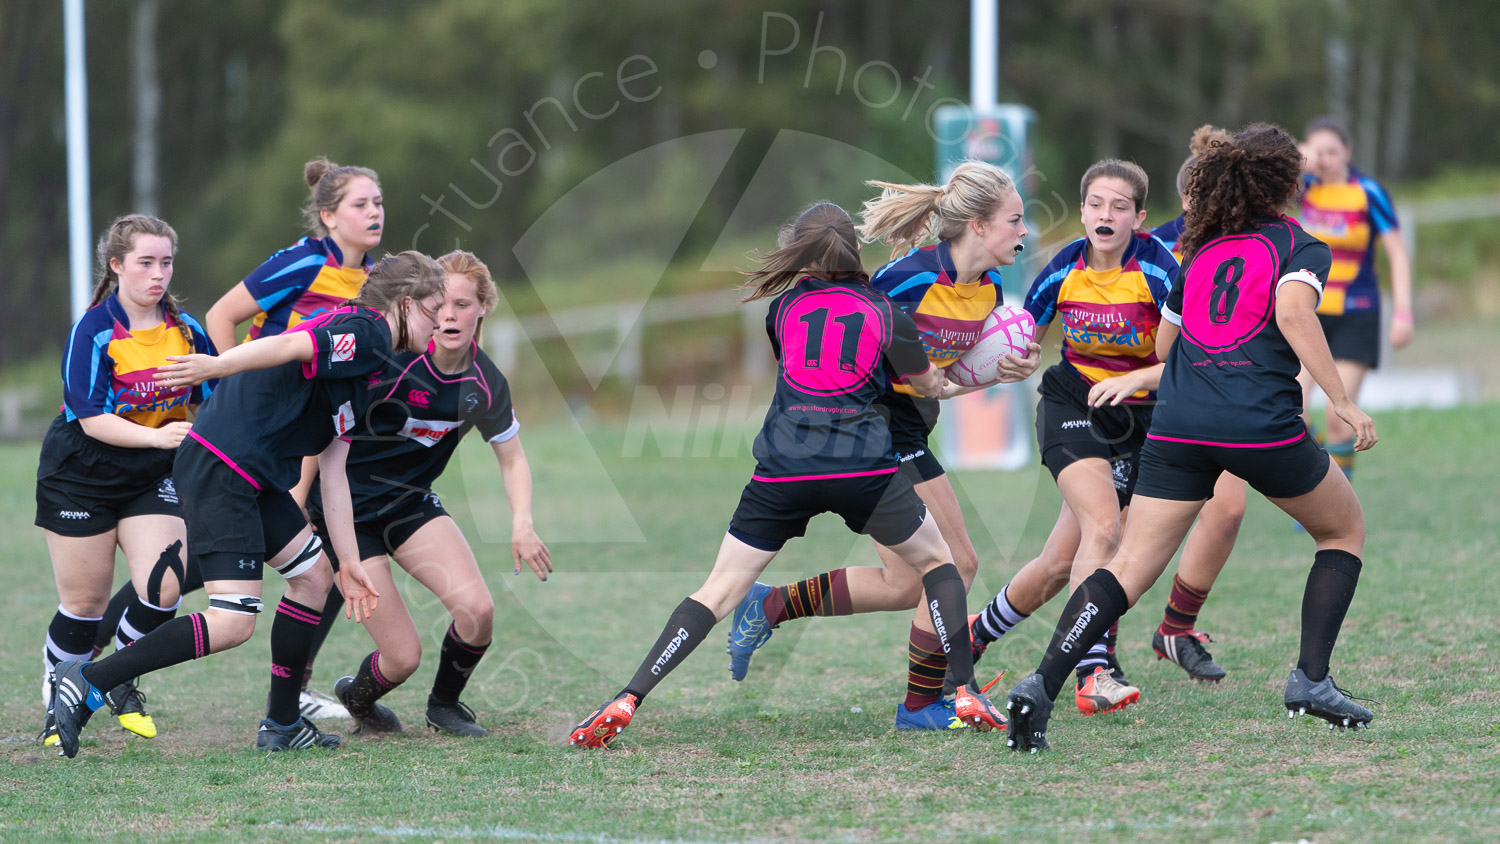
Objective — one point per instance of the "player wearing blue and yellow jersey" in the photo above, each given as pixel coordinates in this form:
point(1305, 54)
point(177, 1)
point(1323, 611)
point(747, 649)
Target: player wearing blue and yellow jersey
point(1106, 289)
point(346, 214)
point(947, 289)
point(839, 345)
point(292, 395)
point(105, 475)
point(424, 405)
point(1229, 402)
point(1351, 213)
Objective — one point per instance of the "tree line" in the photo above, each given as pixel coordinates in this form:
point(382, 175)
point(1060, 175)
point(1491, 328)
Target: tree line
point(204, 112)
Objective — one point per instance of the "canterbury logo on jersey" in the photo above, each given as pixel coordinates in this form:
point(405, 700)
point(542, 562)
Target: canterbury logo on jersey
point(427, 431)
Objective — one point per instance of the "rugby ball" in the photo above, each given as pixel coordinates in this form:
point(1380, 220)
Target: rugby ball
point(1008, 330)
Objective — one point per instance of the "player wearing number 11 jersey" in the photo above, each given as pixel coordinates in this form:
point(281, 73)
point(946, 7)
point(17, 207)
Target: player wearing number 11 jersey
point(823, 448)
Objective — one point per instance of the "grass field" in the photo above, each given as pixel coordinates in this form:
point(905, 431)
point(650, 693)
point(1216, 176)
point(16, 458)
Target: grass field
point(804, 749)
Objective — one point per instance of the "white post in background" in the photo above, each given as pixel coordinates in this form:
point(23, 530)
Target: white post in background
point(79, 232)
point(984, 53)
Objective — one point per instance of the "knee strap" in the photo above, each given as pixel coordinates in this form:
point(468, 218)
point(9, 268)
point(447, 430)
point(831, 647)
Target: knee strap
point(169, 561)
point(237, 604)
point(304, 560)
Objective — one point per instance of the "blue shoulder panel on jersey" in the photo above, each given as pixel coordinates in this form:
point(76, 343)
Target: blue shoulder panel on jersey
point(922, 279)
point(1382, 212)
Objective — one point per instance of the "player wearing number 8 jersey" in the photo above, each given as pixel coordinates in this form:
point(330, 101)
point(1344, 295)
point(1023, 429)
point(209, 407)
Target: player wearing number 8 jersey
point(1229, 401)
point(822, 448)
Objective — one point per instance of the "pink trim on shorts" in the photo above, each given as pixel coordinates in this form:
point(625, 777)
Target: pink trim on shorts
point(1227, 445)
point(889, 471)
point(224, 457)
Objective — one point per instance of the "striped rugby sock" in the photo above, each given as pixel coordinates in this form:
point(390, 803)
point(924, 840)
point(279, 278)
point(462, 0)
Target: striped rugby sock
point(826, 594)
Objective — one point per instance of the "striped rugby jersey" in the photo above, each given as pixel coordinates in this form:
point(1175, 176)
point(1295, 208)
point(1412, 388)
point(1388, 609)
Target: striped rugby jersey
point(1349, 217)
point(1109, 317)
point(949, 315)
point(110, 368)
point(300, 282)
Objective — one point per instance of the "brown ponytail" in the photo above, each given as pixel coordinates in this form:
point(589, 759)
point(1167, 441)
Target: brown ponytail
point(393, 279)
point(820, 243)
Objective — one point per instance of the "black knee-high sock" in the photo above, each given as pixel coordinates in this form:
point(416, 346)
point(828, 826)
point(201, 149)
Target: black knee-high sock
point(291, 636)
point(945, 592)
point(369, 686)
point(176, 641)
point(1330, 589)
point(456, 663)
point(139, 620)
point(192, 582)
point(1096, 604)
point(686, 628)
point(69, 638)
point(112, 615)
point(332, 607)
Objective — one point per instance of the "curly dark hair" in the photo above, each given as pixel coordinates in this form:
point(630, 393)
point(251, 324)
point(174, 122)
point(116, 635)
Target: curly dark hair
point(1251, 176)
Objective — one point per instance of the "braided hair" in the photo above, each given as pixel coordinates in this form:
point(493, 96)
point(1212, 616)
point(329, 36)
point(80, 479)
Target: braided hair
point(116, 243)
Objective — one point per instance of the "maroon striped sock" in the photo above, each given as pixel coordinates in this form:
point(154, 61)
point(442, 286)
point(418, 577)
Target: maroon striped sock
point(825, 594)
point(1183, 606)
point(925, 667)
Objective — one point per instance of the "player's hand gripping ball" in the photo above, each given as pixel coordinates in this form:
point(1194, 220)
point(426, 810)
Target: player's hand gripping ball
point(1008, 330)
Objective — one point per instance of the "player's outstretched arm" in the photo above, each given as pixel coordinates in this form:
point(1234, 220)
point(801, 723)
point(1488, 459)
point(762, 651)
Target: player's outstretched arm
point(525, 546)
point(1296, 316)
point(338, 513)
point(263, 353)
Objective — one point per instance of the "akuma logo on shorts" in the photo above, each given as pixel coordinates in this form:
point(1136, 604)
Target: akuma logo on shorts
point(74, 514)
point(1076, 423)
point(343, 348)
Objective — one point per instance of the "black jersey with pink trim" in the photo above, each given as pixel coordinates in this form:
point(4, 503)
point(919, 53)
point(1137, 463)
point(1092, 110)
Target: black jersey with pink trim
point(262, 422)
point(417, 417)
point(1231, 377)
point(839, 345)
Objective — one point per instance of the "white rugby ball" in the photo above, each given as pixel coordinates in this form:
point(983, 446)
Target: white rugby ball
point(1008, 330)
